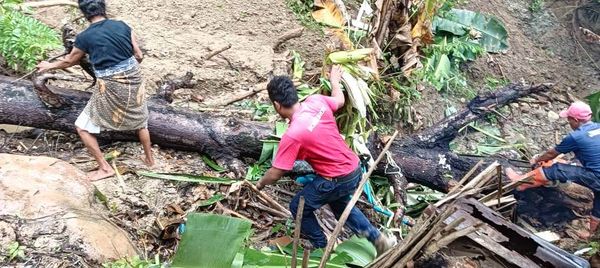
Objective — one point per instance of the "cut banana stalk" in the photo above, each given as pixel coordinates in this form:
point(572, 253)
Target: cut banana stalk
point(354, 93)
point(349, 56)
point(364, 90)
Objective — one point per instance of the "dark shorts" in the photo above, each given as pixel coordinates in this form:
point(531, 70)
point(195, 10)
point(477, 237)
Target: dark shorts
point(580, 175)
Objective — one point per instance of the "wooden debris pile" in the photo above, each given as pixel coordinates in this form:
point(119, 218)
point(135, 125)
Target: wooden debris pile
point(462, 226)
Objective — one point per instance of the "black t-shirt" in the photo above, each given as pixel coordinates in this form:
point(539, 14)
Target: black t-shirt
point(108, 42)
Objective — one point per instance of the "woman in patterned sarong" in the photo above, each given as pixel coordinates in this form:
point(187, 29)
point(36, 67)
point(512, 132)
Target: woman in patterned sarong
point(119, 104)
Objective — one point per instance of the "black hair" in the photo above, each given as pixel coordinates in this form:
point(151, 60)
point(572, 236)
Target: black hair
point(92, 8)
point(281, 89)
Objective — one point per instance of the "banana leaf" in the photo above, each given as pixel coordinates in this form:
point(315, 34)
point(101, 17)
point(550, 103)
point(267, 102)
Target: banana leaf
point(214, 199)
point(494, 37)
point(185, 177)
point(280, 128)
point(264, 259)
point(360, 250)
point(442, 69)
point(211, 240)
point(594, 101)
point(268, 150)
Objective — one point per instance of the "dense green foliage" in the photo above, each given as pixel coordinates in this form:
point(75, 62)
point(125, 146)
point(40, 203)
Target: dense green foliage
point(24, 41)
point(441, 67)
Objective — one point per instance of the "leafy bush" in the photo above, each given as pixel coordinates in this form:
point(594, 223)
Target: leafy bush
point(15, 251)
point(302, 9)
point(441, 68)
point(536, 5)
point(487, 30)
point(594, 101)
point(461, 36)
point(24, 41)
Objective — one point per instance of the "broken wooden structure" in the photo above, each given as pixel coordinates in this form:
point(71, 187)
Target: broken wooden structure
point(461, 226)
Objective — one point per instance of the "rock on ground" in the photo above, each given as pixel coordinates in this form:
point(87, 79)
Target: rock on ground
point(48, 206)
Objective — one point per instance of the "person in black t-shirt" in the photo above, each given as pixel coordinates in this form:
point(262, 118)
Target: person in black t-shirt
point(120, 101)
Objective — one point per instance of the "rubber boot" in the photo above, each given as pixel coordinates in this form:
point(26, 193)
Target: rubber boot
point(532, 179)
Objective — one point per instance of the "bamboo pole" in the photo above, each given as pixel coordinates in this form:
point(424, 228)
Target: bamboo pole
point(357, 193)
point(305, 258)
point(297, 229)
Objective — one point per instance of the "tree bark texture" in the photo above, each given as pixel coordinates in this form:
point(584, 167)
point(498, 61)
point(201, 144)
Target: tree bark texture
point(423, 158)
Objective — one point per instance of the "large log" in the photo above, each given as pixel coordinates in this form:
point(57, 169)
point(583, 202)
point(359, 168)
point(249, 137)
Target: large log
point(226, 139)
point(423, 158)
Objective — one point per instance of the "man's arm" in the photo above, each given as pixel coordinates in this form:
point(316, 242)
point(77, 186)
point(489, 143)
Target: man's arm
point(567, 145)
point(336, 90)
point(271, 176)
point(547, 156)
point(137, 52)
point(73, 58)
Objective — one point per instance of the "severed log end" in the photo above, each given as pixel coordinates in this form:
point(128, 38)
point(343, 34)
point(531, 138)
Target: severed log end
point(48, 97)
point(167, 88)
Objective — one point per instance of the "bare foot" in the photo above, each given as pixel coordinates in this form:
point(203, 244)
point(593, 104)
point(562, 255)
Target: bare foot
point(148, 161)
point(100, 174)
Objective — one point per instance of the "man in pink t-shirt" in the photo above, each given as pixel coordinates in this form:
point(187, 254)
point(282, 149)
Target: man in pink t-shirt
point(313, 136)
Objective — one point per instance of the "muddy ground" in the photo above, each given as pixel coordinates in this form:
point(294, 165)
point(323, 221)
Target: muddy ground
point(176, 35)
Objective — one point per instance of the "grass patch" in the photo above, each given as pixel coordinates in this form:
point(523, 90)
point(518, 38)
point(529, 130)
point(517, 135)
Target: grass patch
point(492, 83)
point(536, 6)
point(302, 9)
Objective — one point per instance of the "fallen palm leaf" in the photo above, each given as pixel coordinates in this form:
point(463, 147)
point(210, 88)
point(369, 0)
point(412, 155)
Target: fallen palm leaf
point(214, 199)
point(212, 164)
point(185, 177)
point(487, 133)
point(211, 241)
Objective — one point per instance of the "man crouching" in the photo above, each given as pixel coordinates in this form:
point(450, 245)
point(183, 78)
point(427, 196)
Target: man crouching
point(313, 136)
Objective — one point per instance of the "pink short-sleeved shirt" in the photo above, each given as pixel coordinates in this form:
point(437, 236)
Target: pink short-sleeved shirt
point(313, 136)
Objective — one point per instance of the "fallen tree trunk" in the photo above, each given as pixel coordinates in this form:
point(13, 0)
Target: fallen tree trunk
point(423, 158)
point(226, 139)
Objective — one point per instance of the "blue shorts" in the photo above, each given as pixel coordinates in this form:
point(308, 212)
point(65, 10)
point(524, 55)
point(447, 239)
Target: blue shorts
point(580, 175)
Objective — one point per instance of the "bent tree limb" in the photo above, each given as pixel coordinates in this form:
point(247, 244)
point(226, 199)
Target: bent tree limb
point(423, 158)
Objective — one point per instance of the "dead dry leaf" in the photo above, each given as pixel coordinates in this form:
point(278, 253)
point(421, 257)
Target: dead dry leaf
point(422, 29)
point(329, 14)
